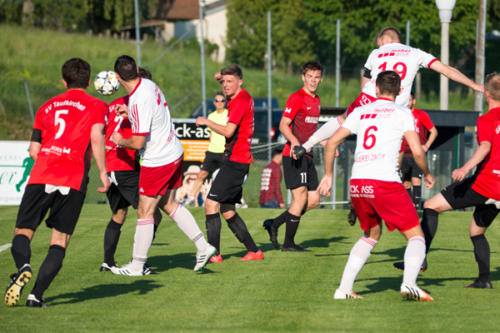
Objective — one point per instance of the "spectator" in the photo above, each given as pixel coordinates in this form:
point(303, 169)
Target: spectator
point(270, 186)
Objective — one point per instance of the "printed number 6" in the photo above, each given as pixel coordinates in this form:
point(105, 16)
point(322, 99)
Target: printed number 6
point(59, 121)
point(370, 139)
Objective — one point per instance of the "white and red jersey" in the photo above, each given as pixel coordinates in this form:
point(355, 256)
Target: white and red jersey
point(240, 112)
point(303, 109)
point(118, 158)
point(487, 182)
point(65, 122)
point(380, 127)
point(404, 60)
point(149, 116)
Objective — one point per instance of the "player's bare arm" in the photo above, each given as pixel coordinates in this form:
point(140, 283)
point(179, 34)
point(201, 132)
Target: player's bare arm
point(226, 130)
point(287, 133)
point(330, 152)
point(34, 149)
point(419, 156)
point(433, 133)
point(135, 142)
point(455, 75)
point(481, 152)
point(97, 140)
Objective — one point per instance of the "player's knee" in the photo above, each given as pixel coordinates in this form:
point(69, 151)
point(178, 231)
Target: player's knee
point(25, 232)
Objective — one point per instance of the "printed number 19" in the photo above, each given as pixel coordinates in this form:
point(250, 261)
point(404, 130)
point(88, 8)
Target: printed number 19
point(399, 67)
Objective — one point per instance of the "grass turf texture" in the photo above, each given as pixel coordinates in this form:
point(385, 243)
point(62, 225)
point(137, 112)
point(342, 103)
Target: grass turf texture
point(284, 292)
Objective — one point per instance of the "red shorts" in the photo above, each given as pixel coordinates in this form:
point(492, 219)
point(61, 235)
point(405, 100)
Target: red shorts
point(377, 200)
point(155, 181)
point(361, 100)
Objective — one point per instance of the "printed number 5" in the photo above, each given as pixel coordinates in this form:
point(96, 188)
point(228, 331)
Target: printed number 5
point(60, 122)
point(370, 139)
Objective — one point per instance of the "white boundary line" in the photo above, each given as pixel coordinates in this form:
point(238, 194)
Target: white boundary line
point(5, 247)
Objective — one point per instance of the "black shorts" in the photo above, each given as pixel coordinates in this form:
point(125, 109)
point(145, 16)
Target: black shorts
point(126, 193)
point(212, 161)
point(301, 172)
point(64, 209)
point(410, 169)
point(228, 185)
point(461, 195)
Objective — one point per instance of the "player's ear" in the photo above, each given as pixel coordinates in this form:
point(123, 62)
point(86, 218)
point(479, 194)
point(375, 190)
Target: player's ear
point(65, 84)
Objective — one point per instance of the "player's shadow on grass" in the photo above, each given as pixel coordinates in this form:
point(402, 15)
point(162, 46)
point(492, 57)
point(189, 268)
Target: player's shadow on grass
point(321, 242)
point(140, 287)
point(165, 262)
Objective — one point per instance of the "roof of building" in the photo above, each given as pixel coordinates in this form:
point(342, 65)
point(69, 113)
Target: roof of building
point(183, 9)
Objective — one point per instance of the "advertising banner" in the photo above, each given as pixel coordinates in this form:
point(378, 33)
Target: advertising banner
point(15, 167)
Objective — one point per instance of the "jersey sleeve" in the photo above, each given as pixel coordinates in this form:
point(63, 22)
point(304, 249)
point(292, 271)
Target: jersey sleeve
point(426, 120)
point(425, 59)
point(292, 106)
point(100, 113)
point(142, 116)
point(352, 122)
point(369, 61)
point(484, 130)
point(407, 121)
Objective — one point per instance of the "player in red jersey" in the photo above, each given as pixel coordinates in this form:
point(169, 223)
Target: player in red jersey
point(410, 171)
point(375, 187)
point(227, 187)
point(481, 190)
point(160, 174)
point(298, 123)
point(67, 129)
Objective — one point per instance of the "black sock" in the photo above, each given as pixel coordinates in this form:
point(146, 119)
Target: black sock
point(277, 222)
point(111, 238)
point(417, 195)
point(20, 250)
point(292, 224)
point(482, 254)
point(213, 225)
point(429, 226)
point(48, 270)
point(239, 229)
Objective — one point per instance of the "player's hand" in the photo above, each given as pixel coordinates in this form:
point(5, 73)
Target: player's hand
point(122, 110)
point(218, 76)
point(479, 88)
point(201, 121)
point(105, 182)
point(298, 152)
point(325, 186)
point(117, 138)
point(458, 174)
point(429, 181)
point(282, 205)
point(425, 148)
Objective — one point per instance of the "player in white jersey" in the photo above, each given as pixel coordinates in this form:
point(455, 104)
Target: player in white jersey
point(376, 190)
point(161, 169)
point(404, 60)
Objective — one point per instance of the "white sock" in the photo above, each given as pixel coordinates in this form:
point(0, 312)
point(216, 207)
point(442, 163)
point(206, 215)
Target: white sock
point(186, 222)
point(414, 257)
point(323, 133)
point(142, 242)
point(360, 253)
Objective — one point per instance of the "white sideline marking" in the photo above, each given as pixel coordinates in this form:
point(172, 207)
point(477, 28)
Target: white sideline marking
point(5, 247)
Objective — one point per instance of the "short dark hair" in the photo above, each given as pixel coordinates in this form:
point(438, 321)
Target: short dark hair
point(312, 66)
point(391, 32)
point(232, 70)
point(126, 67)
point(492, 85)
point(389, 82)
point(276, 151)
point(219, 93)
point(76, 73)
point(144, 73)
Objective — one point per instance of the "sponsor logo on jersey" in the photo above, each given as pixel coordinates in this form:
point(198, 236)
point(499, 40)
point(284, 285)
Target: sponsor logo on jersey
point(288, 110)
point(312, 120)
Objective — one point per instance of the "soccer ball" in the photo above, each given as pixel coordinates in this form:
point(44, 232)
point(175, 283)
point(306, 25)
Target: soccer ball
point(106, 83)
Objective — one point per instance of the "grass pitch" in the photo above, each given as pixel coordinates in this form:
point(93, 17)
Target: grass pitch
point(286, 292)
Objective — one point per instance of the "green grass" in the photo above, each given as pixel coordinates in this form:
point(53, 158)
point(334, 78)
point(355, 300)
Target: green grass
point(286, 292)
point(36, 56)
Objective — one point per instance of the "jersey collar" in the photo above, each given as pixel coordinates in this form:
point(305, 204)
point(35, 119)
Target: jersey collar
point(137, 86)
